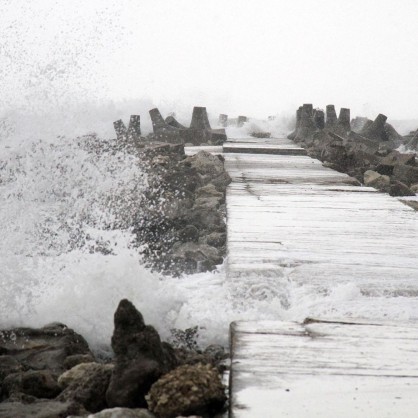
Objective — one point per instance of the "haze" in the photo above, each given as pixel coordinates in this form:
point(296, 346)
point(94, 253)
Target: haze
point(239, 57)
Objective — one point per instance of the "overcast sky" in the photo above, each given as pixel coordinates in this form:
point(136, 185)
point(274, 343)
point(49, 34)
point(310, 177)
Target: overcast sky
point(239, 57)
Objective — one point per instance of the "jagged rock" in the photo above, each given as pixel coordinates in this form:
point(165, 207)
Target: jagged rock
point(140, 358)
point(187, 390)
point(121, 413)
point(40, 409)
point(406, 174)
point(37, 383)
point(400, 189)
point(374, 179)
point(86, 384)
point(43, 348)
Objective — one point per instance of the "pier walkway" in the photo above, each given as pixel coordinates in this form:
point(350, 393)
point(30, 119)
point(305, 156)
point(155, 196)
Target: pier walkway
point(292, 220)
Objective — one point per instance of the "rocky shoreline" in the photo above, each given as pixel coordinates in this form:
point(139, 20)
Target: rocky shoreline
point(51, 372)
point(362, 148)
point(180, 226)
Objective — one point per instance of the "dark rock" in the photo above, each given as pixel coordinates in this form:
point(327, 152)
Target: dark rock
point(400, 189)
point(8, 365)
point(197, 256)
point(86, 384)
point(187, 390)
point(121, 413)
point(395, 158)
point(406, 174)
point(189, 233)
point(40, 409)
point(140, 358)
point(43, 348)
point(374, 179)
point(72, 361)
point(37, 383)
point(216, 239)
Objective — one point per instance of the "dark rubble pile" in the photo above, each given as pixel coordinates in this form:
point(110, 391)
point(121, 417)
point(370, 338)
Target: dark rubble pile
point(180, 226)
point(51, 373)
point(360, 147)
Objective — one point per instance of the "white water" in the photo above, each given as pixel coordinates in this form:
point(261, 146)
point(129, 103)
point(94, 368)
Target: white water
point(66, 253)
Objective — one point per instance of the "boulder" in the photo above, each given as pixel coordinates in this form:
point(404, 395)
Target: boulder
point(76, 359)
point(37, 383)
point(374, 179)
point(8, 365)
point(400, 189)
point(187, 390)
point(40, 409)
point(406, 174)
point(140, 358)
point(43, 348)
point(120, 413)
point(196, 256)
point(395, 158)
point(86, 384)
point(414, 188)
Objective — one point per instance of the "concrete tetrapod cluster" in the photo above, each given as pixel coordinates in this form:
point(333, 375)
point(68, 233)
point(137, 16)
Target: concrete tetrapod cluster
point(171, 131)
point(365, 149)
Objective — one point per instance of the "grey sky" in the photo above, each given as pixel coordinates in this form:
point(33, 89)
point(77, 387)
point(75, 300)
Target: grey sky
point(244, 56)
